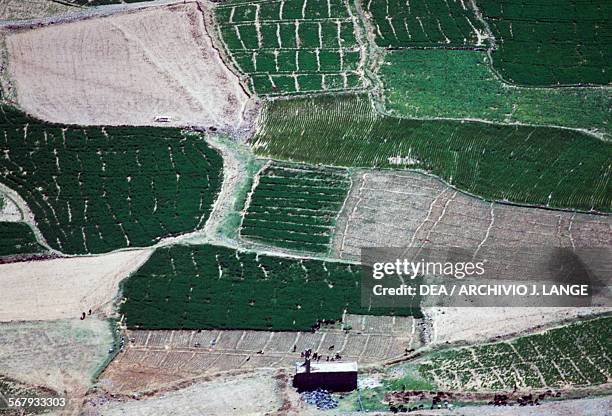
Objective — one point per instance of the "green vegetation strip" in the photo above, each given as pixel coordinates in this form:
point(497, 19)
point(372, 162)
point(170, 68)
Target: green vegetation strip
point(460, 84)
point(533, 165)
point(551, 42)
point(423, 23)
point(291, 46)
point(17, 238)
point(94, 190)
point(573, 355)
point(206, 286)
point(295, 206)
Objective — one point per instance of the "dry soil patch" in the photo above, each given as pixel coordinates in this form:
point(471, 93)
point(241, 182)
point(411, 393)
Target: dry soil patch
point(126, 69)
point(64, 288)
point(62, 355)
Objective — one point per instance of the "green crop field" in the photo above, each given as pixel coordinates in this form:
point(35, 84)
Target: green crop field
point(551, 42)
point(424, 23)
point(533, 165)
point(17, 238)
point(460, 84)
point(94, 190)
point(573, 355)
point(207, 286)
point(295, 206)
point(291, 46)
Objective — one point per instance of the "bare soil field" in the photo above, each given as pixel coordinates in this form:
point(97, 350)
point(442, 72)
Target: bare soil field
point(62, 355)
point(399, 209)
point(243, 395)
point(66, 287)
point(126, 69)
point(27, 9)
point(158, 359)
point(473, 325)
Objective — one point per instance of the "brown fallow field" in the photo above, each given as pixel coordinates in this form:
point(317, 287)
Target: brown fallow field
point(397, 209)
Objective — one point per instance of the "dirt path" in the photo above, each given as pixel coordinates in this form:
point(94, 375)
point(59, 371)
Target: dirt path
point(16, 209)
point(9, 211)
point(595, 406)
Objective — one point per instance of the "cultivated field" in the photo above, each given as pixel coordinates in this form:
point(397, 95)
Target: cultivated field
point(395, 209)
point(549, 43)
point(157, 359)
point(534, 165)
point(418, 23)
point(62, 355)
point(533, 43)
point(64, 288)
point(573, 355)
point(206, 287)
point(94, 190)
point(460, 84)
point(292, 46)
point(398, 209)
point(295, 206)
point(138, 66)
point(17, 238)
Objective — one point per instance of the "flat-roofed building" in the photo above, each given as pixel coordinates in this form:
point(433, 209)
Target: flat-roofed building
point(332, 376)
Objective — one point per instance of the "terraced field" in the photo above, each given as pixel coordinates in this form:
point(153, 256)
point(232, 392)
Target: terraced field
point(153, 359)
point(551, 42)
point(419, 23)
point(532, 165)
point(295, 206)
point(573, 355)
point(94, 190)
point(438, 83)
point(207, 287)
point(292, 46)
point(17, 238)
